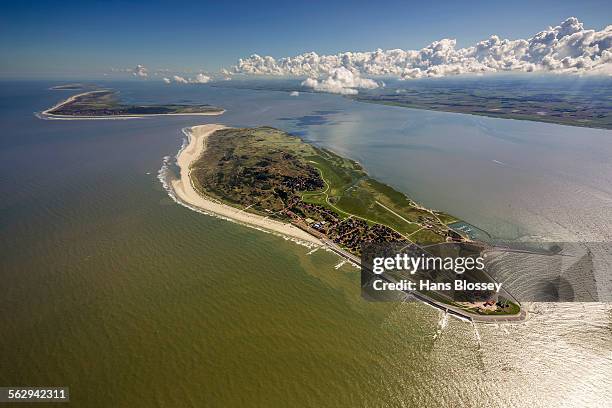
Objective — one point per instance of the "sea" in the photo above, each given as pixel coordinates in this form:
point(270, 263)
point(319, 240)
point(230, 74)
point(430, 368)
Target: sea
point(111, 288)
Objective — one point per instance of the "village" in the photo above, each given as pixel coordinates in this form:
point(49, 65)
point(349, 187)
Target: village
point(350, 233)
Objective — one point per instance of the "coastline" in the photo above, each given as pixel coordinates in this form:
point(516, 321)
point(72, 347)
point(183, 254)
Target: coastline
point(50, 116)
point(184, 190)
point(492, 115)
point(186, 194)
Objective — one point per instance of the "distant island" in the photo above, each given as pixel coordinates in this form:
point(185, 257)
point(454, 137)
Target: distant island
point(270, 179)
point(104, 104)
point(563, 108)
point(575, 102)
point(560, 100)
point(71, 87)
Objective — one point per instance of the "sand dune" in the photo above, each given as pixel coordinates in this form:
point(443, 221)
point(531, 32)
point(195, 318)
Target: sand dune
point(186, 192)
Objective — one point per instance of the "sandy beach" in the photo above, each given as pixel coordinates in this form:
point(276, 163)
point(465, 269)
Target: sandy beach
point(186, 192)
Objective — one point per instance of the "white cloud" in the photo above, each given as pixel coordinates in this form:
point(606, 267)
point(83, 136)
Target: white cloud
point(199, 79)
point(341, 81)
point(180, 79)
point(566, 48)
point(140, 71)
point(294, 93)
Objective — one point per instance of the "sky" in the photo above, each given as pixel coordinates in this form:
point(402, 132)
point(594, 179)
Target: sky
point(92, 37)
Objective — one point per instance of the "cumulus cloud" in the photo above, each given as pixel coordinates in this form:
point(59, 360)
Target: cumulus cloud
point(199, 79)
point(566, 48)
point(180, 79)
point(140, 71)
point(341, 81)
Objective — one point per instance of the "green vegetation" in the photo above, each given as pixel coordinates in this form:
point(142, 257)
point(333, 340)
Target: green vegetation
point(106, 103)
point(351, 192)
point(271, 171)
point(249, 167)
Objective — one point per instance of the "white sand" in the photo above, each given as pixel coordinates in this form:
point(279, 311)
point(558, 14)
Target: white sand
point(186, 192)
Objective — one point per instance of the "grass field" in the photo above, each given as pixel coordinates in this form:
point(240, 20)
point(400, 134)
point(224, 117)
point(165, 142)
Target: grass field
point(351, 192)
point(260, 156)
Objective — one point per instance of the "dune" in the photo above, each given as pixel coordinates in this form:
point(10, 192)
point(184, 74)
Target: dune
point(185, 191)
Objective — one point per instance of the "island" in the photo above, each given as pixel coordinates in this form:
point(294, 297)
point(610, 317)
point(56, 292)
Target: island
point(72, 87)
point(105, 104)
point(266, 178)
point(585, 104)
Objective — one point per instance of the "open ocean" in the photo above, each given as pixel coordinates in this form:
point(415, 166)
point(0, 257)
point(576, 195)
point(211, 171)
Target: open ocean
point(112, 289)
